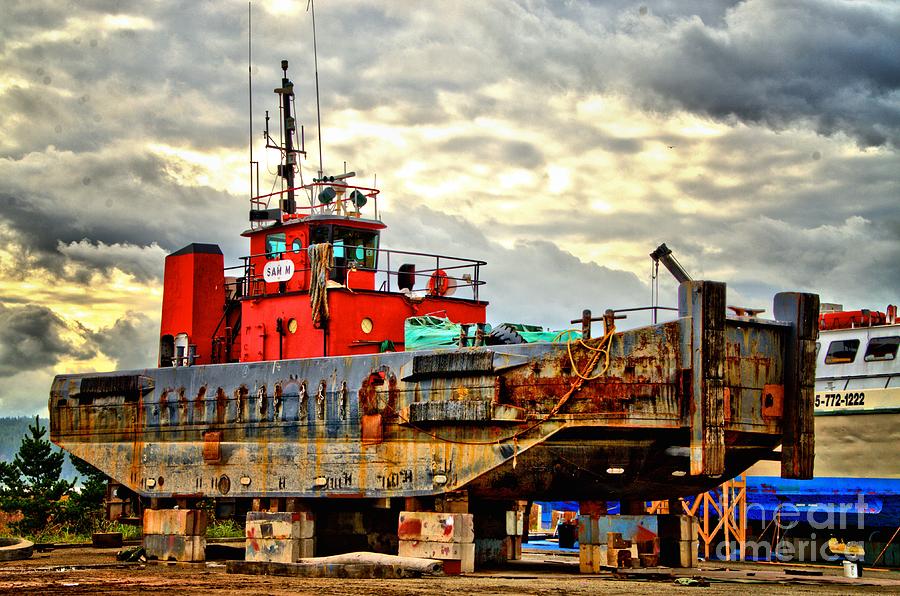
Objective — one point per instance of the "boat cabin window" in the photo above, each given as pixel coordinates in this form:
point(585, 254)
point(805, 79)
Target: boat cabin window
point(351, 246)
point(275, 245)
point(842, 351)
point(893, 382)
point(882, 348)
point(296, 245)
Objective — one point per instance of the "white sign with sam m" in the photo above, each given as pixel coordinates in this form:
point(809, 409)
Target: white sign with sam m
point(276, 271)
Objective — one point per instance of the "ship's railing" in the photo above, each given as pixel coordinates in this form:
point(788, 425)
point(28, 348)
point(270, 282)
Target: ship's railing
point(415, 273)
point(325, 197)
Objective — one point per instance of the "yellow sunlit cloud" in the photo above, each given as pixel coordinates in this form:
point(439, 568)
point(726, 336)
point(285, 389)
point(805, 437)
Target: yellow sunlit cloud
point(222, 169)
point(114, 22)
point(283, 7)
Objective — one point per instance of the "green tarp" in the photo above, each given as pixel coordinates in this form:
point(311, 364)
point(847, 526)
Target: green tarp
point(430, 332)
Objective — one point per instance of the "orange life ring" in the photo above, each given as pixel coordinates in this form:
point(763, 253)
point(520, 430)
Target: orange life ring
point(438, 283)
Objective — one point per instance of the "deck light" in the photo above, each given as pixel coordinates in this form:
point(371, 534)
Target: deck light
point(320, 481)
point(327, 195)
point(679, 473)
point(615, 470)
point(358, 199)
point(440, 479)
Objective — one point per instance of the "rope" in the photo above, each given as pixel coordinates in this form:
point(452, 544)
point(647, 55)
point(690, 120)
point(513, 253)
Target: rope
point(321, 261)
point(598, 351)
point(886, 547)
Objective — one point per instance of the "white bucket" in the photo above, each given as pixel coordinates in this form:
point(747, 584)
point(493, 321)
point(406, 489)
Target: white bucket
point(850, 569)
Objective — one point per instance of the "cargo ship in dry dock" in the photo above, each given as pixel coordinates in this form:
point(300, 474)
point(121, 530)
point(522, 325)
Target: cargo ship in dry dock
point(287, 378)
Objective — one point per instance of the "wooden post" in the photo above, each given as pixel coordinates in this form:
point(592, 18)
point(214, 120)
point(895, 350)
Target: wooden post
point(586, 324)
point(706, 307)
point(798, 428)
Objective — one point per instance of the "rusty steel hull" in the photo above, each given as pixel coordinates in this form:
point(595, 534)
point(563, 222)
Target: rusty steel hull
point(682, 405)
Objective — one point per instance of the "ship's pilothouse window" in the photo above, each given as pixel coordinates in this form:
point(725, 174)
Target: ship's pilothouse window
point(275, 245)
point(351, 246)
point(842, 351)
point(357, 246)
point(882, 348)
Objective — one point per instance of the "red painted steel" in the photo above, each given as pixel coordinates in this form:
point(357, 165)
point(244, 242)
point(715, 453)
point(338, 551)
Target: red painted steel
point(345, 335)
point(193, 297)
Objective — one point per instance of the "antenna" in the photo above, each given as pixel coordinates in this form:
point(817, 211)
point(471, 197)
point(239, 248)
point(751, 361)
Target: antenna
point(250, 85)
point(311, 7)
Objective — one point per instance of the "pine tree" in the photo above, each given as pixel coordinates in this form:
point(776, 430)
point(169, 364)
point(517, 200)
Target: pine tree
point(31, 482)
point(83, 511)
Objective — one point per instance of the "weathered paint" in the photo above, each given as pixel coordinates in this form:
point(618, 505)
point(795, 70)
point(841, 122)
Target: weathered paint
point(425, 423)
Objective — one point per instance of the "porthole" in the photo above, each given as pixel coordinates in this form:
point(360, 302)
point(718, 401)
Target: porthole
point(292, 326)
point(224, 484)
point(296, 245)
point(366, 325)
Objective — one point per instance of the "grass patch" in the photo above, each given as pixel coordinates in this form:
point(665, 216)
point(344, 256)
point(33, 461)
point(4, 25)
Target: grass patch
point(129, 532)
point(225, 528)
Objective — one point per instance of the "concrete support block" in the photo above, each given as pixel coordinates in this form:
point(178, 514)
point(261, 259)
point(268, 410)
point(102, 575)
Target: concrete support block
point(282, 525)
point(589, 531)
point(513, 548)
point(173, 547)
point(184, 522)
point(593, 529)
point(592, 557)
point(515, 523)
point(453, 502)
point(279, 551)
point(437, 550)
point(626, 557)
point(424, 526)
point(464, 552)
point(678, 527)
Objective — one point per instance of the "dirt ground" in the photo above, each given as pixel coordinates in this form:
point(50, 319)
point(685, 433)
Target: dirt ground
point(95, 571)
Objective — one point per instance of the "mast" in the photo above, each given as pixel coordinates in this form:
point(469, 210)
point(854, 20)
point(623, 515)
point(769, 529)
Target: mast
point(289, 125)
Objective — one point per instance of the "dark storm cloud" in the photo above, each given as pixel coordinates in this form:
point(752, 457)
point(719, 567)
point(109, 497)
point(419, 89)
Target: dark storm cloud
point(131, 341)
point(32, 337)
point(78, 215)
point(835, 65)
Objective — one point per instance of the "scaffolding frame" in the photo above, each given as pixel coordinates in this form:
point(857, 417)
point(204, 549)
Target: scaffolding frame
point(721, 511)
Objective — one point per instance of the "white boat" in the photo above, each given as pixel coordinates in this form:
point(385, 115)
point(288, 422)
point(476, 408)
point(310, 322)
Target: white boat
point(857, 419)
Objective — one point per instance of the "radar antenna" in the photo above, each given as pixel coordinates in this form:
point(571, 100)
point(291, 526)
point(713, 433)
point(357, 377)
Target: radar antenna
point(311, 7)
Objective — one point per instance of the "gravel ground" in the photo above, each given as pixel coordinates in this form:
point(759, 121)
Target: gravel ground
point(95, 571)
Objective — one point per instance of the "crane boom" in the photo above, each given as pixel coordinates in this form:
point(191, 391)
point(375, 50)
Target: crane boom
point(663, 254)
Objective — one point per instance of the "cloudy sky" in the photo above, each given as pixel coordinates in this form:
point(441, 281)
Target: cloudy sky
point(561, 141)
